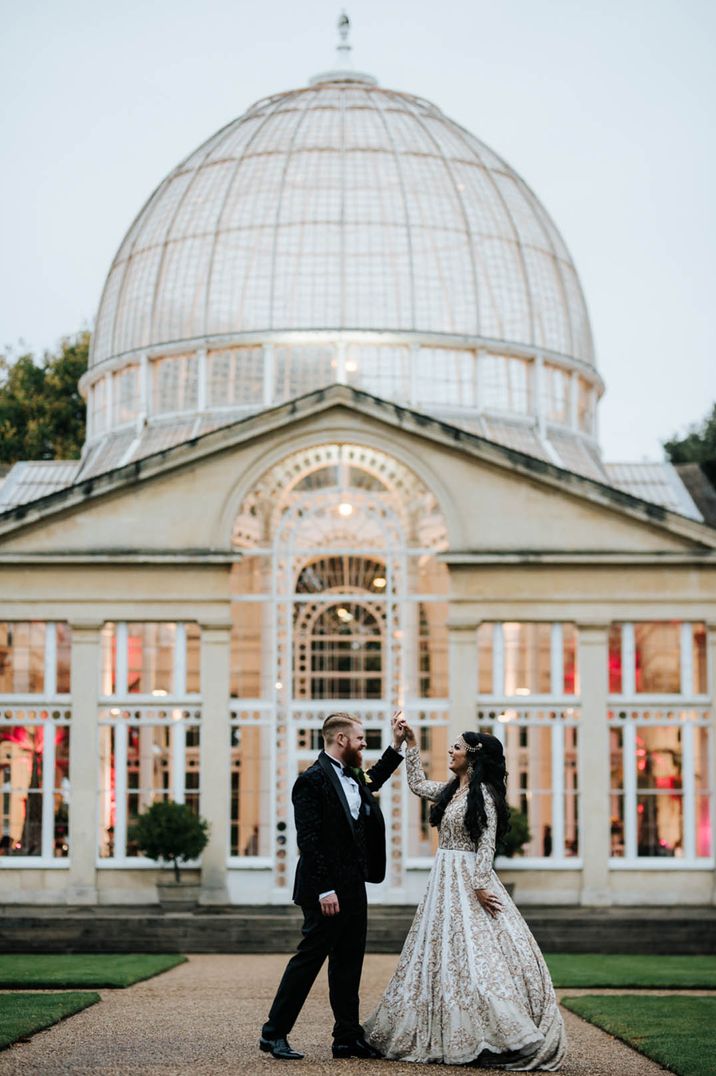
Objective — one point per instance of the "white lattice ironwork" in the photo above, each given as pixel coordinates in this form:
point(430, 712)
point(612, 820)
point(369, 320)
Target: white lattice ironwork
point(342, 541)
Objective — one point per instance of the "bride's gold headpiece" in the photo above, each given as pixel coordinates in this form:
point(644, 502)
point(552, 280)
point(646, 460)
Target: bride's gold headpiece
point(462, 742)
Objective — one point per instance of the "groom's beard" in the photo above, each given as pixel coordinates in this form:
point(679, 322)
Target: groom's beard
point(353, 757)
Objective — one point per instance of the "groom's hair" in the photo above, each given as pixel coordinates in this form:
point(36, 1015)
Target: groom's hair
point(336, 723)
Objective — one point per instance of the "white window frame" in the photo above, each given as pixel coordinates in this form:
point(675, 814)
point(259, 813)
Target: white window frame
point(529, 711)
point(639, 711)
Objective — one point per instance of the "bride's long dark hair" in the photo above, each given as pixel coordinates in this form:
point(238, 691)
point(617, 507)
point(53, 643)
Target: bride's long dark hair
point(488, 769)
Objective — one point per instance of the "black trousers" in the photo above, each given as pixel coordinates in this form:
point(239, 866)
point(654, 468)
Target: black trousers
point(340, 938)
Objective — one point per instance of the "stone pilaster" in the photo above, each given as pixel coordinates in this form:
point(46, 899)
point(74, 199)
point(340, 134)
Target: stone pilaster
point(85, 673)
point(215, 759)
point(462, 667)
point(594, 763)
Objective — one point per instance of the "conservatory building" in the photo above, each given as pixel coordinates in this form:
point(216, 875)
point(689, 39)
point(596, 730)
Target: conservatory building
point(342, 454)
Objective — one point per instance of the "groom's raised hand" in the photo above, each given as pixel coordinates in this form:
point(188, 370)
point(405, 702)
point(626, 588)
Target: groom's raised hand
point(398, 723)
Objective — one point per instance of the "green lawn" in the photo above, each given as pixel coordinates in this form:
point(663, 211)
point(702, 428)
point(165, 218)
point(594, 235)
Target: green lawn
point(678, 1032)
point(622, 970)
point(21, 1015)
point(59, 970)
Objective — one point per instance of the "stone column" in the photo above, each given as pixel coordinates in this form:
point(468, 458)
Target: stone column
point(84, 767)
point(214, 758)
point(711, 689)
point(462, 668)
point(594, 763)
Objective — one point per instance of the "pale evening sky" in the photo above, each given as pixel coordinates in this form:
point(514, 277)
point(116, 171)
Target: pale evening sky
point(607, 108)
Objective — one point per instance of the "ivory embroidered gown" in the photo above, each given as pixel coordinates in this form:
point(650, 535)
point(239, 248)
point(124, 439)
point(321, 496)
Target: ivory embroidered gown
point(465, 982)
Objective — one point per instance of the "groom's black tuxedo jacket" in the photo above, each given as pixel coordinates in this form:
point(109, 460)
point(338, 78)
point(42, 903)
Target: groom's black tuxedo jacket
point(336, 852)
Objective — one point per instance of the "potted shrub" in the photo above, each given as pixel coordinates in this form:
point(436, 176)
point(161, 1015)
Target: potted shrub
point(171, 832)
point(512, 844)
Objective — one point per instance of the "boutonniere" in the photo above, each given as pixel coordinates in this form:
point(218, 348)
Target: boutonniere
point(359, 776)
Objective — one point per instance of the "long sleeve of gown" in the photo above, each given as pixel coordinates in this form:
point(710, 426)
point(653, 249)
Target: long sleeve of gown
point(417, 781)
point(485, 852)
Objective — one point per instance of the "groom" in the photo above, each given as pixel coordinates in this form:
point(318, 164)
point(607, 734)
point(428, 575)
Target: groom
point(341, 840)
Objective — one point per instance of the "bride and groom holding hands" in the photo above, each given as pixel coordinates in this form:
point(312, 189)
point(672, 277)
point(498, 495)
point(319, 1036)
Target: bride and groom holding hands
point(471, 985)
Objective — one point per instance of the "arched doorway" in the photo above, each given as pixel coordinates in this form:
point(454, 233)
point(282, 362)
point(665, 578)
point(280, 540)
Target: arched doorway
point(340, 603)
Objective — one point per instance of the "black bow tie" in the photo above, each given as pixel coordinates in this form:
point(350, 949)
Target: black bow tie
point(347, 772)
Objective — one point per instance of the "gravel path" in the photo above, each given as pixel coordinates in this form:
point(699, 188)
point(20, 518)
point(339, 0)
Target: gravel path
point(204, 1018)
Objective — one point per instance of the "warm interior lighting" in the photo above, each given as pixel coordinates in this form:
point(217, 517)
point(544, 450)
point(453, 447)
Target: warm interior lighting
point(344, 615)
point(159, 691)
point(351, 366)
point(345, 509)
point(379, 582)
point(503, 718)
point(278, 685)
point(522, 691)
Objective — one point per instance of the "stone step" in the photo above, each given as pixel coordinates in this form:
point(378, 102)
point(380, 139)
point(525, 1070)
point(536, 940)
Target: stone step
point(276, 929)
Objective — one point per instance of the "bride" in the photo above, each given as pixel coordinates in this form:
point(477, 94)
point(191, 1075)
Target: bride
point(471, 984)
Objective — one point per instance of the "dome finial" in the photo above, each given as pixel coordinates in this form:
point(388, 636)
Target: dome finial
point(343, 71)
point(344, 47)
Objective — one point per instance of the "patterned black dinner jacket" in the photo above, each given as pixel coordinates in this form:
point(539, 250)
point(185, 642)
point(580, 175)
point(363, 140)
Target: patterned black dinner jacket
point(336, 852)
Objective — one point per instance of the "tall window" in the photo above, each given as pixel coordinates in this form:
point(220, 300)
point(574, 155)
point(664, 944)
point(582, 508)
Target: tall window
point(150, 658)
point(527, 683)
point(34, 658)
point(149, 726)
point(659, 732)
point(34, 783)
point(146, 754)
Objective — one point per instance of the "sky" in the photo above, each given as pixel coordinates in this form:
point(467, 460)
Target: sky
point(607, 108)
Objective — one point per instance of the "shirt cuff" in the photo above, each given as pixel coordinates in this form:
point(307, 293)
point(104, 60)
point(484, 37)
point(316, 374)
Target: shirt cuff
point(328, 893)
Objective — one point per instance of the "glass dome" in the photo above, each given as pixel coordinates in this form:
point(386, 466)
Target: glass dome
point(342, 232)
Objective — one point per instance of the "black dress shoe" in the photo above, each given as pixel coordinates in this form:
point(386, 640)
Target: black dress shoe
point(359, 1048)
point(280, 1049)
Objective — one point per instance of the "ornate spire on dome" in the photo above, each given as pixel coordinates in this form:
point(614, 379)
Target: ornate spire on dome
point(343, 71)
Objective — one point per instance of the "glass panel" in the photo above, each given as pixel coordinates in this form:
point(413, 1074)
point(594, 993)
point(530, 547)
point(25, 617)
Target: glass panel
point(433, 650)
point(174, 384)
point(527, 658)
point(698, 649)
point(108, 642)
point(422, 837)
point(615, 659)
point(250, 628)
point(64, 654)
point(191, 769)
point(504, 383)
point(252, 782)
point(659, 825)
point(61, 795)
point(236, 377)
point(569, 659)
point(616, 794)
point(571, 825)
point(658, 757)
point(22, 657)
point(338, 652)
point(149, 775)
point(125, 395)
point(528, 754)
point(193, 658)
point(107, 805)
point(702, 780)
point(444, 377)
point(555, 393)
point(150, 658)
point(658, 657)
point(21, 790)
point(484, 659)
point(585, 407)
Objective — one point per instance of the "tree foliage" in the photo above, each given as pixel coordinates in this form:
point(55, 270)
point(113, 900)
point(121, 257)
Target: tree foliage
point(698, 445)
point(42, 415)
point(170, 831)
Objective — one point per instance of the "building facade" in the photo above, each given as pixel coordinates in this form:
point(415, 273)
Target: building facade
point(342, 453)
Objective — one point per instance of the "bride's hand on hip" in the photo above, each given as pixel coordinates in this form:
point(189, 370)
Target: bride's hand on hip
point(489, 902)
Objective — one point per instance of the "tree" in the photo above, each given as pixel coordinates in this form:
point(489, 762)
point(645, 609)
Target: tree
point(42, 415)
point(698, 445)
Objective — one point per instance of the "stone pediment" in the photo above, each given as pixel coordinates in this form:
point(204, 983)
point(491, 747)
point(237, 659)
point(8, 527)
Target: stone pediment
point(497, 501)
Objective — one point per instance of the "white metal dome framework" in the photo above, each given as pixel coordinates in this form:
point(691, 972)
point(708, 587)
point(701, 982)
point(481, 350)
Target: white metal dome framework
point(343, 232)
